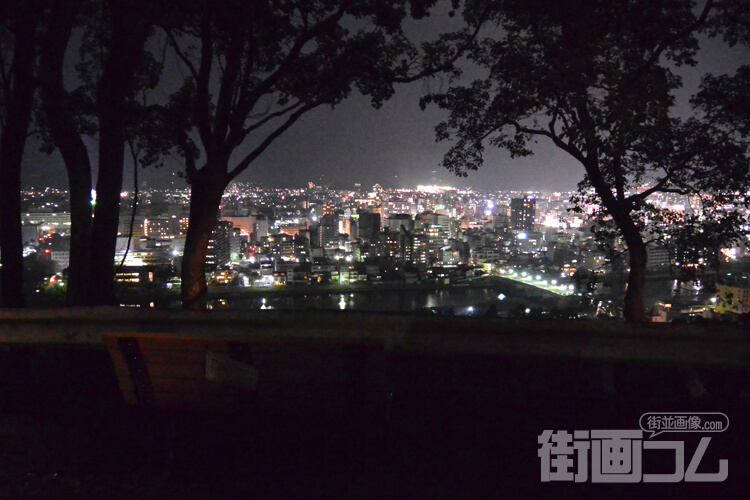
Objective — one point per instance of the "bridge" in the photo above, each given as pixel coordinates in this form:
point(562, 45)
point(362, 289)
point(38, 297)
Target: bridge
point(535, 281)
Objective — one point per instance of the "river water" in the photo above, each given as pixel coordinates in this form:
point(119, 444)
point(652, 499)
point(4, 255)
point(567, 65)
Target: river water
point(455, 300)
point(458, 300)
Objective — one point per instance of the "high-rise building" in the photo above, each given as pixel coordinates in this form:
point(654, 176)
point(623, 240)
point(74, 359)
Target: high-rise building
point(392, 245)
point(284, 245)
point(437, 228)
point(260, 229)
point(395, 221)
point(157, 227)
point(218, 252)
point(522, 213)
point(172, 226)
point(329, 230)
point(419, 252)
point(369, 226)
point(244, 224)
point(125, 227)
point(351, 227)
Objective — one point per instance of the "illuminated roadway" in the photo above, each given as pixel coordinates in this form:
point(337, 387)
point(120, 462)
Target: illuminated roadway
point(535, 281)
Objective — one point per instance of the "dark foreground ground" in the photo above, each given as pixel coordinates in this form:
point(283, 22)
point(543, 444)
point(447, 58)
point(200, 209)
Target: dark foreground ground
point(460, 428)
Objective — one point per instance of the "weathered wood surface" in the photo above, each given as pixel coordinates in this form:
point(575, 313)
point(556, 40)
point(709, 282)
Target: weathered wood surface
point(335, 364)
point(325, 378)
point(720, 345)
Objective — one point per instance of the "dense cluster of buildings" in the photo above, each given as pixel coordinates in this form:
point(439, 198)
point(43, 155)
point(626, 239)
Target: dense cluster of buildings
point(315, 234)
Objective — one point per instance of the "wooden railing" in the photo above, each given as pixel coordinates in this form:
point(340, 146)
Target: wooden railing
point(336, 364)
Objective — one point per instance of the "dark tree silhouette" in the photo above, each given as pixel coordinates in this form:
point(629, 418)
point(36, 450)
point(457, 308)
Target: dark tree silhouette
point(18, 55)
point(112, 69)
point(64, 130)
point(131, 23)
point(597, 79)
point(254, 69)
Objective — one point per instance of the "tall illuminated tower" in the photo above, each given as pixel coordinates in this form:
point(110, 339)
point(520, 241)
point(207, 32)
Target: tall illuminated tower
point(522, 213)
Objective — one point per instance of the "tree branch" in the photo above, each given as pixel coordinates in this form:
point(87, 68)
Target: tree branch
point(270, 117)
point(181, 55)
point(227, 88)
point(252, 97)
point(203, 104)
point(619, 178)
point(659, 50)
point(660, 187)
point(188, 153)
point(242, 165)
point(567, 147)
point(447, 65)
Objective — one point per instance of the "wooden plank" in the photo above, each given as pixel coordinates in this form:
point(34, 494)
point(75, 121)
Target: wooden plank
point(332, 379)
point(137, 370)
point(129, 397)
point(199, 401)
point(275, 362)
point(122, 372)
point(177, 370)
point(183, 344)
point(121, 367)
point(287, 363)
point(211, 401)
point(223, 370)
point(170, 384)
point(166, 356)
point(290, 400)
point(125, 383)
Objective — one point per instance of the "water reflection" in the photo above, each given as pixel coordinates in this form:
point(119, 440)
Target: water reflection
point(458, 300)
point(461, 301)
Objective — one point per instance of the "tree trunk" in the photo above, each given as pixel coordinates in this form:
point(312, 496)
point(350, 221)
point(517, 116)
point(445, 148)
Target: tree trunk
point(12, 145)
point(634, 310)
point(11, 244)
point(74, 153)
point(205, 197)
point(620, 210)
point(129, 33)
point(107, 208)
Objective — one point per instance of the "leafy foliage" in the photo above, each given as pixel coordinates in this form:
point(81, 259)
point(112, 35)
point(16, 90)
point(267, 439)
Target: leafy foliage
point(254, 69)
point(598, 80)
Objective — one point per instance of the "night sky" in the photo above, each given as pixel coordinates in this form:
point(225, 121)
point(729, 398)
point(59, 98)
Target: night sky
point(393, 146)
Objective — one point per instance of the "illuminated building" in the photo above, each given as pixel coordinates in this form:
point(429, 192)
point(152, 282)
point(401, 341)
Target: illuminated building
point(734, 299)
point(218, 252)
point(48, 222)
point(61, 258)
point(522, 213)
point(329, 231)
point(244, 224)
point(157, 227)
